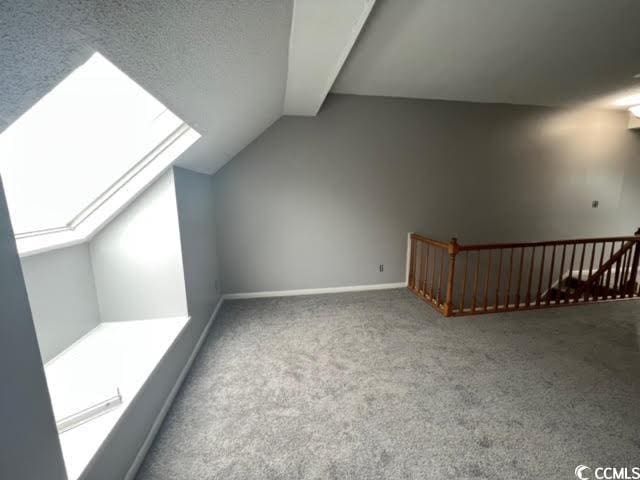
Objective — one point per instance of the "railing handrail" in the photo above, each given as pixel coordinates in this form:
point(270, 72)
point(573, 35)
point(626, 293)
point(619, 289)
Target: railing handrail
point(430, 241)
point(544, 243)
point(548, 243)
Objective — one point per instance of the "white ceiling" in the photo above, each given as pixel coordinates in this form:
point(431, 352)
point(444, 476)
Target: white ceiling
point(322, 34)
point(539, 52)
point(220, 65)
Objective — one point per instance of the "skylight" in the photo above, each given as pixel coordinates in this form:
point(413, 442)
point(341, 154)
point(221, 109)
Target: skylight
point(66, 156)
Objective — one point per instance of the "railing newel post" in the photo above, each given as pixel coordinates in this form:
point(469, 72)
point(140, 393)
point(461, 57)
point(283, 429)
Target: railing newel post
point(412, 261)
point(634, 264)
point(453, 249)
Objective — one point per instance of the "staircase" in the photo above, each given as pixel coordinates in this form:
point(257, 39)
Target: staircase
point(572, 286)
point(470, 279)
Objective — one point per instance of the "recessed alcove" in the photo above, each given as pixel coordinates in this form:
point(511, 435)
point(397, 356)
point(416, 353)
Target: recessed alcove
point(94, 210)
point(106, 313)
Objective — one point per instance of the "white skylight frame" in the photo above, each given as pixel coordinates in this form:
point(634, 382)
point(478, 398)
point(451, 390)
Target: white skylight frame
point(99, 213)
point(106, 204)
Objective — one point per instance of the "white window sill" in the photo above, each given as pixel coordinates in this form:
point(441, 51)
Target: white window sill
point(113, 355)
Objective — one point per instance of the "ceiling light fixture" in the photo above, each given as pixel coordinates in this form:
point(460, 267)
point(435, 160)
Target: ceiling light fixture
point(635, 110)
point(628, 101)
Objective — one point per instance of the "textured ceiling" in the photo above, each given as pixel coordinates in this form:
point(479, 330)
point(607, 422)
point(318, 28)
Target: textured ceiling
point(220, 65)
point(540, 52)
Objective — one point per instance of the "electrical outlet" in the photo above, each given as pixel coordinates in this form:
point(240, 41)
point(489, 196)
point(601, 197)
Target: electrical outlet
point(595, 203)
point(381, 268)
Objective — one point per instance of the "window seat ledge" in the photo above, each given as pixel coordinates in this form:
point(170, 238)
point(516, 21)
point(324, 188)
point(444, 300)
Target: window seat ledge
point(114, 356)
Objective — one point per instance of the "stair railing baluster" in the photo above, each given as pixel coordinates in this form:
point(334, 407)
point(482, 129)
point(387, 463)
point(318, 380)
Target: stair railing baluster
point(475, 283)
point(561, 275)
point(616, 285)
point(547, 299)
point(589, 293)
point(464, 281)
point(567, 295)
point(625, 273)
point(497, 302)
point(600, 281)
point(507, 299)
point(607, 287)
point(442, 253)
point(539, 291)
point(425, 268)
point(433, 275)
point(517, 303)
point(486, 281)
point(579, 280)
point(528, 296)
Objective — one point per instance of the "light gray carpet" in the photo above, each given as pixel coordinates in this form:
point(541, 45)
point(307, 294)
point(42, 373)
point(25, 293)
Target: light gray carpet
point(376, 385)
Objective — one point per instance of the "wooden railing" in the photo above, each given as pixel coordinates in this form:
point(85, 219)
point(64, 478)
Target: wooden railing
point(470, 279)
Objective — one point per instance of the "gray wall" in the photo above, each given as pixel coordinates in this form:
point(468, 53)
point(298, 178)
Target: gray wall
point(321, 202)
point(137, 259)
point(195, 202)
point(62, 295)
point(29, 446)
point(196, 215)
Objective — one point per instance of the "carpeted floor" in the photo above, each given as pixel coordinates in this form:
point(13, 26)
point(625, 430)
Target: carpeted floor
point(376, 385)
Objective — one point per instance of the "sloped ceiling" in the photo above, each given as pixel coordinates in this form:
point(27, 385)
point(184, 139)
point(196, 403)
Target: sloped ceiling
point(230, 68)
point(538, 52)
point(322, 35)
point(220, 65)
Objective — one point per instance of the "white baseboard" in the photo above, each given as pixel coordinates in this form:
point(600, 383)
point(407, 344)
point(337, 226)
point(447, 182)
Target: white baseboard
point(314, 291)
point(133, 470)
